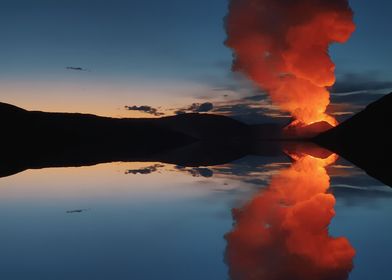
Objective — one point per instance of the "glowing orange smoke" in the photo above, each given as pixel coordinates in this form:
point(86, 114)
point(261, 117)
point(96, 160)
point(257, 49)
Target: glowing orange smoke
point(283, 47)
point(282, 233)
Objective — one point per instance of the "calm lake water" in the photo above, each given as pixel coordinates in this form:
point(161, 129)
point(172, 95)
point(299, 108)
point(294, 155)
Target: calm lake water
point(302, 217)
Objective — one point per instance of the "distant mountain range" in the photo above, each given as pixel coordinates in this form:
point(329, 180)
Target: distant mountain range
point(54, 129)
point(32, 139)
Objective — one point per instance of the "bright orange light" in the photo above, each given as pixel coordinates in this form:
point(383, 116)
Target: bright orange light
point(283, 47)
point(282, 233)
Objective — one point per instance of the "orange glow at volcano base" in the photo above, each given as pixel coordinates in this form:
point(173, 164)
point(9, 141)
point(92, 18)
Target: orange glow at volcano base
point(282, 46)
point(282, 233)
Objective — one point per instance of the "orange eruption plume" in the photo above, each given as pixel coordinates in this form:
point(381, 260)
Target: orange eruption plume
point(283, 47)
point(282, 233)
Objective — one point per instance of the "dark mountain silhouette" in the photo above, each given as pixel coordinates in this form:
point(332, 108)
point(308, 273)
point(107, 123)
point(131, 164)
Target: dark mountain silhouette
point(365, 139)
point(76, 128)
point(307, 131)
point(279, 132)
point(32, 139)
point(267, 131)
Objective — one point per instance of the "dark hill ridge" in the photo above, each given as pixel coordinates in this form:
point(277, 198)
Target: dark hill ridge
point(52, 132)
point(32, 139)
point(27, 126)
point(10, 109)
point(26, 130)
point(366, 139)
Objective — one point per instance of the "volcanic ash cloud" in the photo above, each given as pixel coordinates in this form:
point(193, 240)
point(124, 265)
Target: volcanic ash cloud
point(283, 47)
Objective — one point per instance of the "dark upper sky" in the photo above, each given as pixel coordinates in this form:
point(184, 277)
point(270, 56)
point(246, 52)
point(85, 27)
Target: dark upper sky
point(161, 53)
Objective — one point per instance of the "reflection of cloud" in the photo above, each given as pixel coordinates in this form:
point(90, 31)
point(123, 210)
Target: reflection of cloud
point(251, 169)
point(145, 109)
point(369, 196)
point(282, 233)
point(145, 170)
point(193, 171)
point(197, 171)
point(353, 187)
point(349, 175)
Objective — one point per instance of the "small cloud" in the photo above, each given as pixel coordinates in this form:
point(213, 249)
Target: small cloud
point(76, 211)
point(201, 108)
point(354, 91)
point(245, 111)
point(145, 109)
point(354, 82)
point(259, 97)
point(75, 68)
point(196, 108)
point(253, 109)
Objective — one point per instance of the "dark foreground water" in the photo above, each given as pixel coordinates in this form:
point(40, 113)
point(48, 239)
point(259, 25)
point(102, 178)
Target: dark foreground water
point(303, 217)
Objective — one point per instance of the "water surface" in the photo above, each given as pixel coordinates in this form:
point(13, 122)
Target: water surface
point(298, 217)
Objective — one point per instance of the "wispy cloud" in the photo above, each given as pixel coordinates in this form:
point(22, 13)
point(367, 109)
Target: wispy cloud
point(354, 82)
point(196, 108)
point(145, 109)
point(73, 68)
point(354, 91)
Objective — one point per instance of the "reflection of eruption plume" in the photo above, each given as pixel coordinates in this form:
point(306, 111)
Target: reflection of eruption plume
point(282, 233)
point(283, 47)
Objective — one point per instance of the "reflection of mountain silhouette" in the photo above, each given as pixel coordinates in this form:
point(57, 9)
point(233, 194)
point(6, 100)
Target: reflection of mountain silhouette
point(365, 139)
point(282, 232)
point(39, 140)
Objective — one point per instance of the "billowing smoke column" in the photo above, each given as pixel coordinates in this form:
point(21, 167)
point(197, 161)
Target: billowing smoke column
point(283, 47)
point(282, 233)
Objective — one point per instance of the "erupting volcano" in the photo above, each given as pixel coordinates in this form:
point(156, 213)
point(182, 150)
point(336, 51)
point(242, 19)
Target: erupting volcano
point(283, 47)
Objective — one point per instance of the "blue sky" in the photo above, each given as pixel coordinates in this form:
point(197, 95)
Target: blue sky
point(161, 53)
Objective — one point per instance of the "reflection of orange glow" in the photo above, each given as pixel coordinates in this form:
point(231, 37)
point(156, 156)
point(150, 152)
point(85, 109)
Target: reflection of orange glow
point(283, 47)
point(282, 233)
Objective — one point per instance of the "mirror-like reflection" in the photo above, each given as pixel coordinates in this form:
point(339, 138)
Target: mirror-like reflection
point(151, 220)
point(282, 233)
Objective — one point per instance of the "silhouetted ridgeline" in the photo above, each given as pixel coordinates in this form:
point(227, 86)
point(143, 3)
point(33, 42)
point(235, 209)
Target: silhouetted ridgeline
point(366, 139)
point(53, 130)
point(37, 139)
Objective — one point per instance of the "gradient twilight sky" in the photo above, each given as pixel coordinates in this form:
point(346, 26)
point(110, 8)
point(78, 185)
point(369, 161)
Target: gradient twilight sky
point(166, 54)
